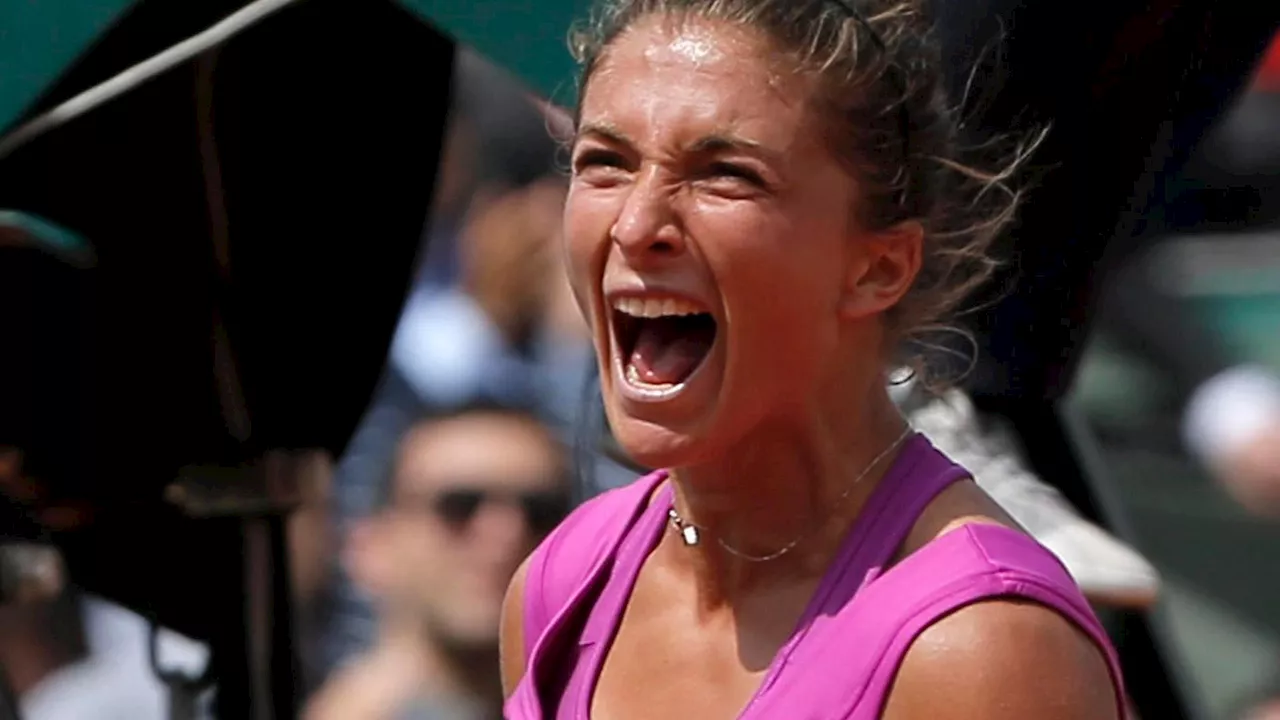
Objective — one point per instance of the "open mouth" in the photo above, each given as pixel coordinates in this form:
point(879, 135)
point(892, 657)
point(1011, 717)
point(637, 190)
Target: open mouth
point(661, 341)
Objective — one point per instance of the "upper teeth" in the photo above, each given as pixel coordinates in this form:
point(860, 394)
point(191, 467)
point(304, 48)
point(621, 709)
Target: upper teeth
point(655, 307)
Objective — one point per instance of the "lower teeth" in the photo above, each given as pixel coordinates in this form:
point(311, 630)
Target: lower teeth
point(633, 377)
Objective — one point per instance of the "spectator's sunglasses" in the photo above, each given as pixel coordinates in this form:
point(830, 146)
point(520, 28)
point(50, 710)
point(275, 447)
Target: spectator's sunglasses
point(458, 506)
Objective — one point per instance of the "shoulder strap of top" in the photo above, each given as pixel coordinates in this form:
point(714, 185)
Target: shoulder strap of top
point(999, 562)
point(572, 553)
point(876, 610)
point(920, 474)
point(970, 564)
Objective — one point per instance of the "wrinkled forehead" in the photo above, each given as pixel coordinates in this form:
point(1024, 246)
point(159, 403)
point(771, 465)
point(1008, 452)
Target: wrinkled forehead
point(668, 77)
point(478, 450)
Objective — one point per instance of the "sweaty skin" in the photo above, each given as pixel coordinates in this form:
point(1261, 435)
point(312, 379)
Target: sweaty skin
point(697, 175)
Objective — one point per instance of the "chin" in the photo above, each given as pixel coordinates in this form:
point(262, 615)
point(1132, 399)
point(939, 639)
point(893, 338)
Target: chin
point(476, 633)
point(655, 445)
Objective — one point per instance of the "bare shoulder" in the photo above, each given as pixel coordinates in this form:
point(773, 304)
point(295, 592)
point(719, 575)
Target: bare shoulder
point(511, 649)
point(1003, 660)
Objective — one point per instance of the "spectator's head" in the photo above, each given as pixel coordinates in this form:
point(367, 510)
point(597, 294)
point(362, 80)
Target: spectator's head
point(510, 262)
point(470, 495)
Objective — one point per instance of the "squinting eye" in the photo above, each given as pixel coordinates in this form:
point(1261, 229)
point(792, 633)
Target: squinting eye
point(597, 158)
point(737, 172)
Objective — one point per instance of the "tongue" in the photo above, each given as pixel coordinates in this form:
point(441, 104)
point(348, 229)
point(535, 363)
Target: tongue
point(668, 350)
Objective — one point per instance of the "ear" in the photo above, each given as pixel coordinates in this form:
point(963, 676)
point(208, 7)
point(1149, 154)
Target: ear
point(882, 269)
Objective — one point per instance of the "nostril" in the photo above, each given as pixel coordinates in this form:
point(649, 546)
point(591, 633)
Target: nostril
point(640, 239)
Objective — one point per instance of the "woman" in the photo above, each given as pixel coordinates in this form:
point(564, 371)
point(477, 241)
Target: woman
point(766, 205)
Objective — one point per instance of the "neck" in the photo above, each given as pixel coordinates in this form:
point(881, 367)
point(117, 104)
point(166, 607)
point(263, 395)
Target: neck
point(437, 671)
point(800, 479)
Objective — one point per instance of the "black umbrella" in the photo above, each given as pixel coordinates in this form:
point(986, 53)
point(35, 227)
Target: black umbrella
point(254, 216)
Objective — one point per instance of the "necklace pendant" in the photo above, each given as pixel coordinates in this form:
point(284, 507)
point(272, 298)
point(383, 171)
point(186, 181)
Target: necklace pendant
point(689, 534)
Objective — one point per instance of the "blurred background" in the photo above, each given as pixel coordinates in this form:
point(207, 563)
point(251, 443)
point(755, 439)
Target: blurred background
point(485, 429)
point(1204, 295)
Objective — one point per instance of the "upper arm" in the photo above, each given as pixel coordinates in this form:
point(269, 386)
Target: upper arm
point(1003, 660)
point(511, 647)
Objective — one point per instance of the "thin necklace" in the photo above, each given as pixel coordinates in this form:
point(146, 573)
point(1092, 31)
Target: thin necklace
point(692, 534)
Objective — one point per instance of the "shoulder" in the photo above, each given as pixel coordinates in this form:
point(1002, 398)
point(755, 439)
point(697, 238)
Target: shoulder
point(512, 647)
point(1003, 659)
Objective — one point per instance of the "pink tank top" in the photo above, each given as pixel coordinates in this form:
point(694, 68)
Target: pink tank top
point(845, 651)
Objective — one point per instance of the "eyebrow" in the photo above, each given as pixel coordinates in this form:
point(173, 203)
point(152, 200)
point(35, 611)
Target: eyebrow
point(729, 142)
point(607, 131)
point(719, 142)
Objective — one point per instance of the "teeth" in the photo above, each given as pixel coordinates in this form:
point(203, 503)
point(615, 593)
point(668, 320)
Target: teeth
point(655, 307)
point(633, 377)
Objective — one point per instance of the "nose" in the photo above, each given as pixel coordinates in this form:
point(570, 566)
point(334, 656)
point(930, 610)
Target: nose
point(647, 230)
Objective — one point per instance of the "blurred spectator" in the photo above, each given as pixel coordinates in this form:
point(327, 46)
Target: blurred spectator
point(80, 657)
point(477, 337)
point(496, 142)
point(471, 494)
point(511, 330)
point(1231, 188)
point(310, 534)
point(72, 656)
point(445, 349)
point(38, 641)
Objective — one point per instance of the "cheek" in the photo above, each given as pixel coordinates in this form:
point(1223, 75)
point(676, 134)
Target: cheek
point(781, 286)
point(419, 545)
point(586, 242)
point(774, 268)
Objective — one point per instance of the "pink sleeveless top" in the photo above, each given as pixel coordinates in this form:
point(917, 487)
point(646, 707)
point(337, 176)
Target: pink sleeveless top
point(845, 651)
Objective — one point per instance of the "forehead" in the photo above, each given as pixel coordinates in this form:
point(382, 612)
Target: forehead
point(669, 80)
point(478, 448)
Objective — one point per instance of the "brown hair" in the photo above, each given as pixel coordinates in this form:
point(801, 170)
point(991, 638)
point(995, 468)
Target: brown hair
point(882, 89)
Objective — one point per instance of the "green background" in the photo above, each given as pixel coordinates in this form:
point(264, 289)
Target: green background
point(39, 39)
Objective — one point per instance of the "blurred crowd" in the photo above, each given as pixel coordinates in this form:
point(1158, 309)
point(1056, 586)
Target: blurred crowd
point(485, 430)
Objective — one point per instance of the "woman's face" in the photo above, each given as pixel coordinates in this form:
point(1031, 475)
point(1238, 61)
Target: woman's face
point(710, 240)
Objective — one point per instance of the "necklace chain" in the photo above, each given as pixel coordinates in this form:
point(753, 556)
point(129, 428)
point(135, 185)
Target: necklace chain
point(691, 533)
